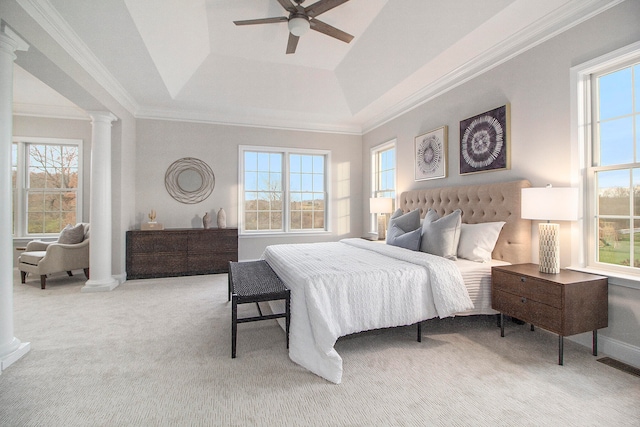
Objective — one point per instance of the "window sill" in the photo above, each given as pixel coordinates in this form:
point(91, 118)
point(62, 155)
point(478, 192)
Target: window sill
point(618, 279)
point(283, 234)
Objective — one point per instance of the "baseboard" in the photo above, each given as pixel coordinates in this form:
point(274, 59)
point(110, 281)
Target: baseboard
point(618, 350)
point(9, 359)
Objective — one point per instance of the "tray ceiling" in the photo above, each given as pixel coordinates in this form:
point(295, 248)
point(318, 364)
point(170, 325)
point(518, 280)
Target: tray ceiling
point(186, 60)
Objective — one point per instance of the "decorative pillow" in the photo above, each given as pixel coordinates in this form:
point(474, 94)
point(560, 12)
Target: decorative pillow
point(440, 236)
point(408, 240)
point(71, 235)
point(407, 222)
point(478, 240)
point(404, 230)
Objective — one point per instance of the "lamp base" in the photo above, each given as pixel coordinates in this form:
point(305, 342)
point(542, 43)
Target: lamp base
point(382, 227)
point(549, 235)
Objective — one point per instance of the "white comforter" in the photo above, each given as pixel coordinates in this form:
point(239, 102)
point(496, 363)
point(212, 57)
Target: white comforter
point(340, 288)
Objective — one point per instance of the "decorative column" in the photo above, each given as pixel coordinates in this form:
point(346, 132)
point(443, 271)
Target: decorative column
point(11, 348)
point(100, 277)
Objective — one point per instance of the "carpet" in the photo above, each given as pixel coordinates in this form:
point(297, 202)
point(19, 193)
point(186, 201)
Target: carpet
point(157, 352)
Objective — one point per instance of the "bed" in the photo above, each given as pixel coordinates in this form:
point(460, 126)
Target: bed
point(345, 287)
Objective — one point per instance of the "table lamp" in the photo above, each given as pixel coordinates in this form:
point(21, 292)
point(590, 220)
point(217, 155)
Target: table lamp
point(381, 206)
point(550, 204)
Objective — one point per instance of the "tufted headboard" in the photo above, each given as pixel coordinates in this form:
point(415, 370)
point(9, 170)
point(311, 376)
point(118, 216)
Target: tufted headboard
point(481, 203)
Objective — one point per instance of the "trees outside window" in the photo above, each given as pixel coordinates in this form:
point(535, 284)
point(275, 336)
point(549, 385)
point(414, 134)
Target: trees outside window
point(283, 190)
point(46, 182)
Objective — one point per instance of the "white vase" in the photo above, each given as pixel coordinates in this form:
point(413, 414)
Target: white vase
point(222, 219)
point(206, 221)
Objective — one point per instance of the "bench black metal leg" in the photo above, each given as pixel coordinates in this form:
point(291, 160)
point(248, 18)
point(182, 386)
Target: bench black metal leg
point(595, 342)
point(234, 325)
point(230, 282)
point(501, 325)
point(419, 331)
point(288, 316)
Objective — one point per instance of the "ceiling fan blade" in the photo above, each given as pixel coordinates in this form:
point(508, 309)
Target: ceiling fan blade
point(322, 6)
point(330, 31)
point(292, 43)
point(288, 6)
point(262, 21)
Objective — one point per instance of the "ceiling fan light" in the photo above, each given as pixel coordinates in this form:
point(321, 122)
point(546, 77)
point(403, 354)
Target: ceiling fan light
point(298, 26)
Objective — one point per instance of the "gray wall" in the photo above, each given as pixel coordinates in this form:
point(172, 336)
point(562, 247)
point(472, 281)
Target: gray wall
point(536, 84)
point(160, 143)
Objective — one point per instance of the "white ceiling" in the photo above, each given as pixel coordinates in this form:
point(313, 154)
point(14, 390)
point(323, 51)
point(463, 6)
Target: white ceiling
point(185, 59)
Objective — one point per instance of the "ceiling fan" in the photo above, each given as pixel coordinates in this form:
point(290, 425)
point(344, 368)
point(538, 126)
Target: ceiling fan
point(301, 19)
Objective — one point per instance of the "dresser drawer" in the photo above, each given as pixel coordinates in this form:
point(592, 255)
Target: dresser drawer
point(531, 311)
point(528, 287)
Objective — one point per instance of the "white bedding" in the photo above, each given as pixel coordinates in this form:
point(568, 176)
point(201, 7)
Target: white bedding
point(477, 279)
point(339, 288)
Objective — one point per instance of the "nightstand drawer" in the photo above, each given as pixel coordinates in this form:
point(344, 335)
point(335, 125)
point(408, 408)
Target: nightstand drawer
point(528, 287)
point(531, 311)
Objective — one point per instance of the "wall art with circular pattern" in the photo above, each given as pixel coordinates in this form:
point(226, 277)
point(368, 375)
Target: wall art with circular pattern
point(484, 141)
point(189, 180)
point(431, 154)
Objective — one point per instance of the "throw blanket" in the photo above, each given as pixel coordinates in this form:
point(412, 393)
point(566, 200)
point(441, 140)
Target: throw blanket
point(340, 288)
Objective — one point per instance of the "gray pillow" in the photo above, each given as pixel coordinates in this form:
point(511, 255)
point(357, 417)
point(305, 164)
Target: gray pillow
point(71, 235)
point(408, 240)
point(407, 222)
point(440, 236)
point(404, 230)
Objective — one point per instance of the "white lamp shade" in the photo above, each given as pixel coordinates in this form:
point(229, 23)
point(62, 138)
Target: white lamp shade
point(381, 205)
point(298, 26)
point(550, 203)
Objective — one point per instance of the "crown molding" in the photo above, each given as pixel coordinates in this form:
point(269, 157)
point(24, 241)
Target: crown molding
point(49, 111)
point(535, 34)
point(250, 121)
point(43, 12)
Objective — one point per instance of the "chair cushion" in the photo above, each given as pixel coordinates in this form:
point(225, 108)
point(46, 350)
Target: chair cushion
point(71, 235)
point(32, 258)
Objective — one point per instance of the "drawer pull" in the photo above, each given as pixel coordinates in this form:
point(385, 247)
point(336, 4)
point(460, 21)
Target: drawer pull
point(523, 300)
point(523, 279)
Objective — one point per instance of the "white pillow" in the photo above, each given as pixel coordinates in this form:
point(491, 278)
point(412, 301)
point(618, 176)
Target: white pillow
point(478, 240)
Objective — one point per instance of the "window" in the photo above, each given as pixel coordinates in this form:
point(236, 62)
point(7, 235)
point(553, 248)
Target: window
point(46, 185)
point(616, 165)
point(607, 120)
point(383, 174)
point(283, 190)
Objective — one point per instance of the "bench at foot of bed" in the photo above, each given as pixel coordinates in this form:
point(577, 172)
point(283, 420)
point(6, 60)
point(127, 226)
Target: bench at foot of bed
point(254, 282)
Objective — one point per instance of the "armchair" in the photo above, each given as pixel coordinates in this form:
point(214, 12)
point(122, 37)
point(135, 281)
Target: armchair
point(43, 258)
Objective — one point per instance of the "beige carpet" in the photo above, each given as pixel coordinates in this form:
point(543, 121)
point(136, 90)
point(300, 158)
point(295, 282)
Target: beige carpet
point(157, 352)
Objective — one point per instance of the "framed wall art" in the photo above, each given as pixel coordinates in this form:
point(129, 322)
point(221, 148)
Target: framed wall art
point(484, 142)
point(431, 154)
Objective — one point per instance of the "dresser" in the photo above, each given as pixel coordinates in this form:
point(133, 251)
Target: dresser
point(566, 303)
point(180, 252)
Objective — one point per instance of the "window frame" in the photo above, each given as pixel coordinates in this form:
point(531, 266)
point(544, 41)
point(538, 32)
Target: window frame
point(19, 208)
point(584, 231)
point(286, 208)
point(375, 152)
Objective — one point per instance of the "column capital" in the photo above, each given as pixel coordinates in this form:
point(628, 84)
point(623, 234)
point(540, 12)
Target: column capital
point(102, 116)
point(8, 37)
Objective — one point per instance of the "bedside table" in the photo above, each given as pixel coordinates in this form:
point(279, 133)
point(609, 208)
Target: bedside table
point(566, 303)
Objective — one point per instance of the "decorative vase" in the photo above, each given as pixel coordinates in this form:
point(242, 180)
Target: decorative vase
point(206, 220)
point(222, 219)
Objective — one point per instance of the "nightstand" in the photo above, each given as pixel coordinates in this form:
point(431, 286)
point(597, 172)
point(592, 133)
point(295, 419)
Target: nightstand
point(566, 303)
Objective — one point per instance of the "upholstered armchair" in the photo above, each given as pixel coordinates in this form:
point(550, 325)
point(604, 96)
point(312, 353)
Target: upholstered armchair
point(44, 258)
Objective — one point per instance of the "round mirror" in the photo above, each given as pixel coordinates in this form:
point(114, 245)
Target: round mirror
point(189, 180)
